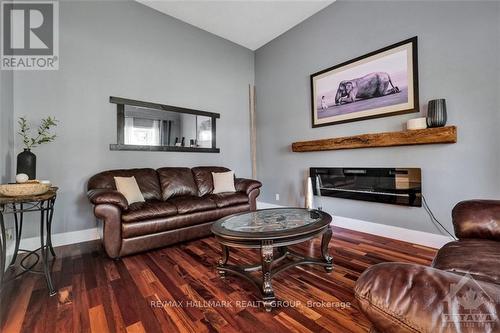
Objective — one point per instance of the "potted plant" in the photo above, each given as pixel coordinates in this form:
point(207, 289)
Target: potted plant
point(26, 160)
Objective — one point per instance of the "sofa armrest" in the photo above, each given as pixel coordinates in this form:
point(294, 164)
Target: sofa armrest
point(106, 196)
point(477, 219)
point(246, 185)
point(110, 215)
point(399, 297)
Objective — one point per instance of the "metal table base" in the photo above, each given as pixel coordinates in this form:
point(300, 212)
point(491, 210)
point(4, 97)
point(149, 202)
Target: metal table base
point(46, 209)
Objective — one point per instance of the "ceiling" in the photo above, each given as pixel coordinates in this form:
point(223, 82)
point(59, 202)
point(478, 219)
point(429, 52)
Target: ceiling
point(250, 23)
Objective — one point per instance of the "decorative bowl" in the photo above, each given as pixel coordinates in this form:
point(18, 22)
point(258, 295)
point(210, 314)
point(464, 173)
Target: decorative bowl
point(22, 178)
point(20, 190)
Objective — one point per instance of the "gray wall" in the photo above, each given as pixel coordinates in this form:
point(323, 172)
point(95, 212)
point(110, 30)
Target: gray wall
point(6, 137)
point(6, 126)
point(122, 48)
point(458, 60)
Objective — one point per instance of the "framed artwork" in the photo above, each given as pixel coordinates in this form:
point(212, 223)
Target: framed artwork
point(379, 84)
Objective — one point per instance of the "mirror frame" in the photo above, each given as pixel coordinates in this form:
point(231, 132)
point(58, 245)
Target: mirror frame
point(120, 124)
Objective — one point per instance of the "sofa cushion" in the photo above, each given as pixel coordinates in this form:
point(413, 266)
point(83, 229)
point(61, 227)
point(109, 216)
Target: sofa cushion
point(204, 180)
point(477, 219)
point(148, 210)
point(177, 182)
point(228, 199)
point(191, 204)
point(147, 179)
point(478, 257)
point(164, 224)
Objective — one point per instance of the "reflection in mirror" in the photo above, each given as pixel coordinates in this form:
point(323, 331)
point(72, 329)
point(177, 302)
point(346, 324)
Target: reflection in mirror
point(204, 131)
point(150, 127)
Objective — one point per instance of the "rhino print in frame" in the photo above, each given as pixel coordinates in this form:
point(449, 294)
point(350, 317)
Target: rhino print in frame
point(379, 84)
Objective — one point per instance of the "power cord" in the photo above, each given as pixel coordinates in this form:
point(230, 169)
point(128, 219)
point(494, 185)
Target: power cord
point(434, 219)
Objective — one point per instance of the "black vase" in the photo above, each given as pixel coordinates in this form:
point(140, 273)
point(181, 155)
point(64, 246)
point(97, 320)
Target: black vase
point(436, 113)
point(26, 163)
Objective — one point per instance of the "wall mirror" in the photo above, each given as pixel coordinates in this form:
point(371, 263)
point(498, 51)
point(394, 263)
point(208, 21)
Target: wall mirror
point(148, 126)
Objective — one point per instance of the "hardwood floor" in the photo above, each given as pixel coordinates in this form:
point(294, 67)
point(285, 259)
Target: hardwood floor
point(97, 294)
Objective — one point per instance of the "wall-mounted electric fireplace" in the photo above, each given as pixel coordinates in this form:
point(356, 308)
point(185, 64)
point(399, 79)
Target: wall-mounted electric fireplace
point(398, 186)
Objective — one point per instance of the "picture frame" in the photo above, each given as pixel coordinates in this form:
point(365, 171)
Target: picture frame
point(381, 83)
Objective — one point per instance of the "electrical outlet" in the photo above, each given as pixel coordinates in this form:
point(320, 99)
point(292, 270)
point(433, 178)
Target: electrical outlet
point(9, 233)
point(277, 197)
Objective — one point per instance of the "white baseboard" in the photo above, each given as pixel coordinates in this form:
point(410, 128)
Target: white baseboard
point(389, 231)
point(398, 233)
point(265, 205)
point(60, 239)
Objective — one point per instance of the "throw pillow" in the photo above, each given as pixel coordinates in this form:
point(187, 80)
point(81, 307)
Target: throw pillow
point(129, 188)
point(223, 182)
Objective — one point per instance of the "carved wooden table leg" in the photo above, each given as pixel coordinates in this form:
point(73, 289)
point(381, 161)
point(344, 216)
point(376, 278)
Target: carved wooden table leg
point(325, 240)
point(223, 261)
point(267, 286)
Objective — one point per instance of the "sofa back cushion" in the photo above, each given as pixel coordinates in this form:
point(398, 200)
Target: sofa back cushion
point(177, 182)
point(146, 178)
point(203, 178)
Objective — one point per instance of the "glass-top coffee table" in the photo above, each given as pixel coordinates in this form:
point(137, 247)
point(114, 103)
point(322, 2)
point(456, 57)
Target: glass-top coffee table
point(266, 230)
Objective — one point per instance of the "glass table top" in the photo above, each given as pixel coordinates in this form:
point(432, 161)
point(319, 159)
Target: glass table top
point(271, 220)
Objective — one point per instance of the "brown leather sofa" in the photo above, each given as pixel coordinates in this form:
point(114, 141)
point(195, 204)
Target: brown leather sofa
point(178, 206)
point(459, 293)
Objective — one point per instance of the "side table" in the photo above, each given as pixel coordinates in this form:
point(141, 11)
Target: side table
point(17, 206)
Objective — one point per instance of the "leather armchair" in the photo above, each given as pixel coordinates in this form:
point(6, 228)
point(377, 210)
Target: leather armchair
point(459, 293)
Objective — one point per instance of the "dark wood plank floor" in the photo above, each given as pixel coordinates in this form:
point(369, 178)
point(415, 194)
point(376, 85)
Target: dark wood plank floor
point(97, 294)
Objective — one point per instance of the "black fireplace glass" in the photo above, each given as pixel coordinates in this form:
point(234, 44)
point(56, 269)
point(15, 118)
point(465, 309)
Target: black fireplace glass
point(398, 186)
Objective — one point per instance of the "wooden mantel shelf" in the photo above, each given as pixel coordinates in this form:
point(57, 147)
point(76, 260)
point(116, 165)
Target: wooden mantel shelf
point(389, 139)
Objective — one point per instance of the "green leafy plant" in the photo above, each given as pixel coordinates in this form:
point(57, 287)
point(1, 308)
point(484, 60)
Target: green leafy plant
point(44, 134)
